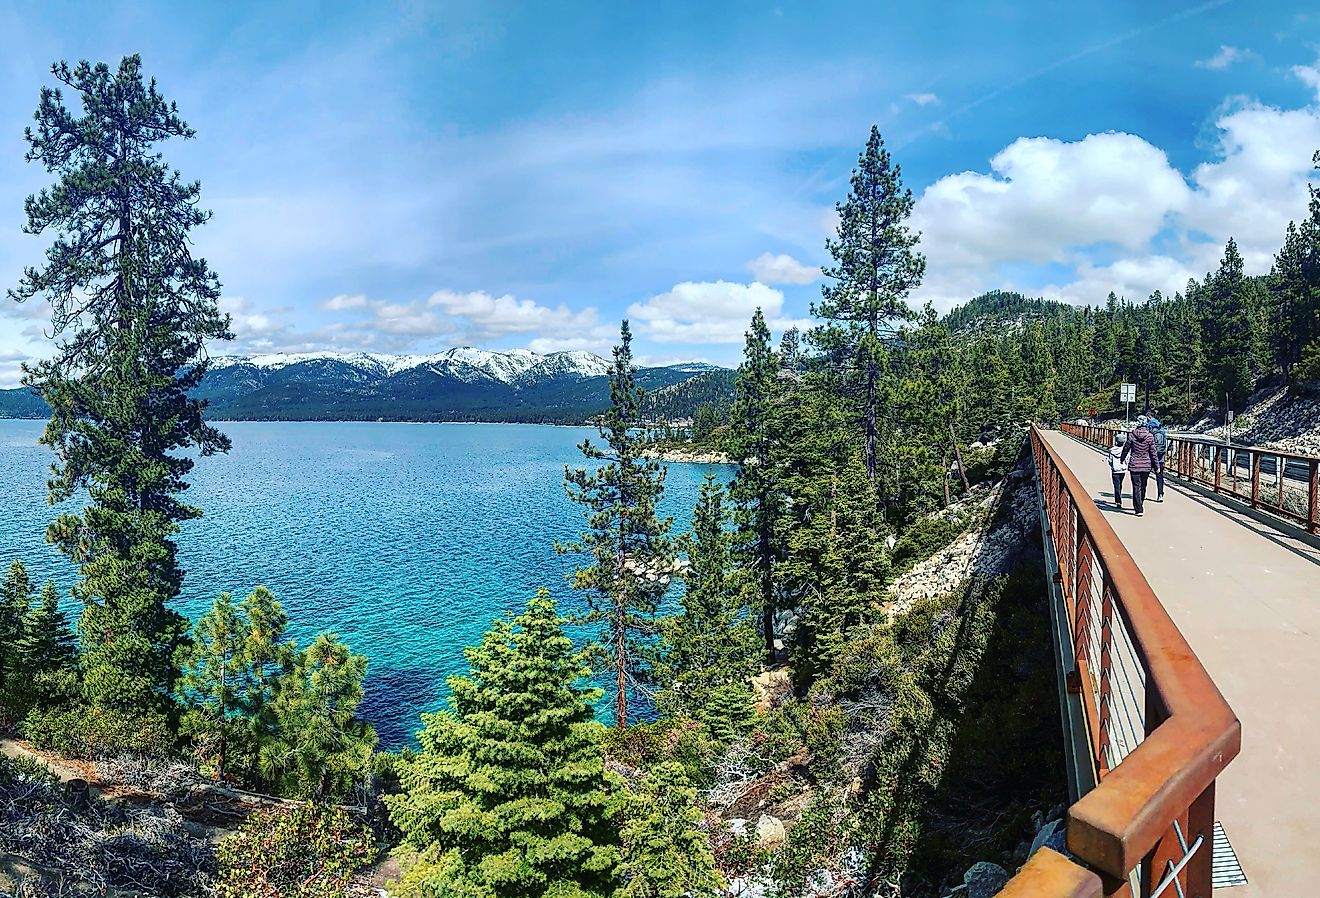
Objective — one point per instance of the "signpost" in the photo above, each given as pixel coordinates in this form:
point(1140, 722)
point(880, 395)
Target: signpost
point(1128, 393)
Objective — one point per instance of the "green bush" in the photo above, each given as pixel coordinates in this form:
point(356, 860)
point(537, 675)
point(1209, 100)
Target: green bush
point(93, 732)
point(308, 852)
point(923, 539)
point(647, 745)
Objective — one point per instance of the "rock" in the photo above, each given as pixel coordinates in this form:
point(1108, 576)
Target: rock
point(770, 832)
point(984, 879)
point(771, 688)
point(1043, 837)
point(738, 826)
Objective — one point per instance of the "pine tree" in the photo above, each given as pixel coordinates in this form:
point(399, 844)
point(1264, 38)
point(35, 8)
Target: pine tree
point(213, 679)
point(631, 554)
point(508, 795)
point(15, 600)
point(134, 309)
point(712, 642)
point(1225, 317)
point(266, 659)
point(875, 269)
point(666, 851)
point(755, 492)
point(320, 748)
point(46, 656)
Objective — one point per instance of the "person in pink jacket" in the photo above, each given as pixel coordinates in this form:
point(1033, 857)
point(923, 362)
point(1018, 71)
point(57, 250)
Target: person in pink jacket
point(1141, 457)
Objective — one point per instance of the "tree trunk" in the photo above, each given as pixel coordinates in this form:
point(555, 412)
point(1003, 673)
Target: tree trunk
point(946, 478)
point(870, 415)
point(767, 595)
point(621, 659)
point(962, 469)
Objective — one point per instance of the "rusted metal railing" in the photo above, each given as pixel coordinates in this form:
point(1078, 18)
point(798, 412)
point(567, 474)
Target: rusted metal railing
point(1284, 484)
point(1158, 729)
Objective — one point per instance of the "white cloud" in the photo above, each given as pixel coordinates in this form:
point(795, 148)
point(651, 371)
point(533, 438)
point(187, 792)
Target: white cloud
point(1226, 57)
point(1110, 212)
point(922, 99)
point(487, 317)
point(708, 312)
point(11, 369)
point(782, 269)
point(342, 301)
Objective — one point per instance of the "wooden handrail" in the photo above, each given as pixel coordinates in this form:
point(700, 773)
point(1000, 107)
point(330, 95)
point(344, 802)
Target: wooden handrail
point(1191, 732)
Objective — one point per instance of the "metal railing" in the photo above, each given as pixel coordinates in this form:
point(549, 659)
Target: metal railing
point(1282, 483)
point(1158, 730)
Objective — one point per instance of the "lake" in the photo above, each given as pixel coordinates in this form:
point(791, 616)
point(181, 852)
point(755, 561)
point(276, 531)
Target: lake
point(405, 539)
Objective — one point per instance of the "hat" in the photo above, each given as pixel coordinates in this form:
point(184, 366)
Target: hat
point(1141, 420)
point(1153, 422)
point(1120, 438)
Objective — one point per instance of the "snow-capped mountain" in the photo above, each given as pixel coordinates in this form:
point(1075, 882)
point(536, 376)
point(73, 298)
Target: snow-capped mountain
point(462, 362)
point(460, 384)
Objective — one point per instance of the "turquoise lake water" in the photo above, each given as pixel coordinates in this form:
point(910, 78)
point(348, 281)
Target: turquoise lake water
point(406, 539)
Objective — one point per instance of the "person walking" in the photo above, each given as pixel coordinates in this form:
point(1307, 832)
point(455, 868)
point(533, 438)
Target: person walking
point(1161, 438)
point(1118, 468)
point(1139, 453)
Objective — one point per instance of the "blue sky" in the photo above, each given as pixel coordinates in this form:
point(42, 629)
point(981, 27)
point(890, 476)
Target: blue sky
point(404, 177)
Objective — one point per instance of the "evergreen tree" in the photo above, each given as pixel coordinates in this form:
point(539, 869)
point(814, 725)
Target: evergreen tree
point(1225, 318)
point(46, 656)
point(213, 679)
point(712, 642)
point(15, 599)
point(134, 310)
point(320, 748)
point(508, 795)
point(266, 658)
point(757, 498)
point(666, 851)
point(632, 556)
point(875, 268)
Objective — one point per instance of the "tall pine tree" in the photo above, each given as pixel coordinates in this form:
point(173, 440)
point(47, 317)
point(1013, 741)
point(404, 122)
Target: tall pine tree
point(631, 554)
point(133, 309)
point(875, 268)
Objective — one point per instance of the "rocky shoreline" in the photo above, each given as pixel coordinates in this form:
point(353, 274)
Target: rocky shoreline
point(689, 456)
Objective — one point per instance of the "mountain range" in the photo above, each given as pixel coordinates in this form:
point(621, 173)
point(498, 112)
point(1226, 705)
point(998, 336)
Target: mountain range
point(460, 384)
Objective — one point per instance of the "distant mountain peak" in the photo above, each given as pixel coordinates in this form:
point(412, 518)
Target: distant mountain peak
point(466, 363)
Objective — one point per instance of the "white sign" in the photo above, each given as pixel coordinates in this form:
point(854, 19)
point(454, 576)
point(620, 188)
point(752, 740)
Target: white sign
point(1230, 416)
point(1127, 392)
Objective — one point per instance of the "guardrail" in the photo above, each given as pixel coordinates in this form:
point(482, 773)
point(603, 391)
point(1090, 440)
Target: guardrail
point(1158, 729)
point(1282, 483)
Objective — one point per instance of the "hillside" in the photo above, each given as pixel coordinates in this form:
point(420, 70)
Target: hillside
point(461, 384)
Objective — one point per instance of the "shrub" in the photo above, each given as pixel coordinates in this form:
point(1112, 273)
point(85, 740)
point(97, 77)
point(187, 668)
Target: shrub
point(97, 732)
point(308, 852)
point(923, 539)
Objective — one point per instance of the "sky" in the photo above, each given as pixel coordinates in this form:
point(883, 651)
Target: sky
point(405, 176)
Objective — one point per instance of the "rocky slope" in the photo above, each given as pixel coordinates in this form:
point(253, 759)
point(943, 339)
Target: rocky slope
point(1275, 420)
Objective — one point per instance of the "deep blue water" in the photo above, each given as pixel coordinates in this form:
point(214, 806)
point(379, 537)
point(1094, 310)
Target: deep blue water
point(405, 539)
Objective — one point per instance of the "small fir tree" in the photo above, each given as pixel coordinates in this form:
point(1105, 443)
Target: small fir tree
point(509, 794)
point(213, 679)
point(15, 599)
point(631, 554)
point(713, 641)
point(320, 748)
point(666, 852)
point(47, 656)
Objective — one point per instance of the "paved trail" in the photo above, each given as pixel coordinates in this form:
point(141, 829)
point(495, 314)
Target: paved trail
point(1247, 598)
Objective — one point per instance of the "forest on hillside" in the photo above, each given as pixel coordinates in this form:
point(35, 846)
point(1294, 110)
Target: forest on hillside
point(780, 718)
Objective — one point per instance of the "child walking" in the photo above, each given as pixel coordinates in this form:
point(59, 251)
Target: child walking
point(1118, 467)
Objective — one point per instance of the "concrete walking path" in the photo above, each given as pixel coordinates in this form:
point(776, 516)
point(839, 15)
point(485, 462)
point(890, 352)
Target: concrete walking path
point(1247, 598)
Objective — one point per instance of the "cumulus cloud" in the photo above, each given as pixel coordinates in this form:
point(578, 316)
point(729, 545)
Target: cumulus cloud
point(922, 99)
point(486, 317)
point(1224, 58)
point(1076, 219)
point(782, 269)
point(342, 301)
point(11, 369)
point(708, 312)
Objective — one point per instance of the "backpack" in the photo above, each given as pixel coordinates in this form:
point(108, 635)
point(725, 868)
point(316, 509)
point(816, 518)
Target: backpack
point(1161, 439)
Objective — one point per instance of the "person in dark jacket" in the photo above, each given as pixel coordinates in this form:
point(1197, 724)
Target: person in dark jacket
point(1139, 453)
point(1161, 438)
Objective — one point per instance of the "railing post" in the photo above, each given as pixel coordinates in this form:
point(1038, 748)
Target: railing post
point(1219, 464)
point(1201, 822)
point(1255, 479)
point(1106, 665)
point(1313, 497)
point(1278, 477)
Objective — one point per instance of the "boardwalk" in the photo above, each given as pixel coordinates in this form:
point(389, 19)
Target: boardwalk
point(1247, 598)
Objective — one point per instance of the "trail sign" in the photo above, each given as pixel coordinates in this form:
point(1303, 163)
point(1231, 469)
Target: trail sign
point(1127, 392)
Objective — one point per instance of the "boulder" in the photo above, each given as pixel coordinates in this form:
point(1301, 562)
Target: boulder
point(770, 832)
point(984, 879)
